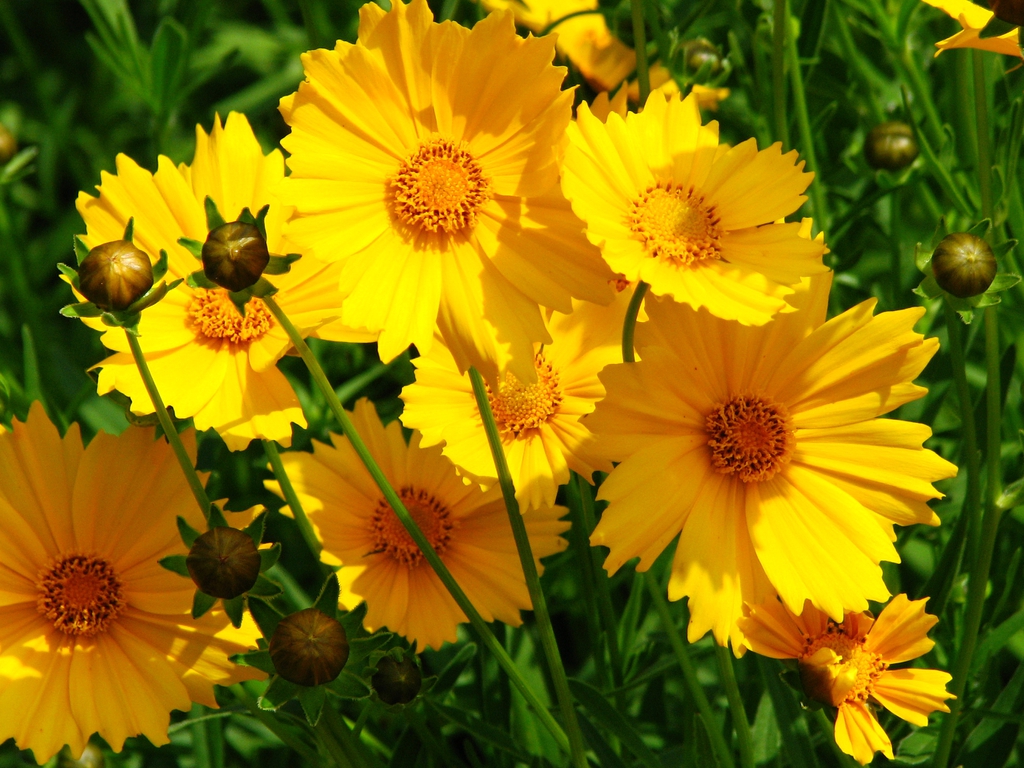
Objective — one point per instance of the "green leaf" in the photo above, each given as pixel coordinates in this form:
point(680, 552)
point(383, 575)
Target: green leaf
point(81, 250)
point(18, 166)
point(996, 638)
point(192, 246)
point(361, 648)
point(606, 756)
point(938, 170)
point(453, 671)
point(266, 616)
point(264, 587)
point(764, 732)
point(168, 64)
point(327, 600)
point(176, 564)
point(993, 739)
point(348, 686)
point(235, 609)
point(269, 556)
point(213, 217)
point(1012, 495)
point(201, 603)
point(352, 621)
point(612, 721)
point(484, 732)
point(187, 532)
point(279, 692)
point(929, 289)
point(129, 229)
point(312, 701)
point(796, 737)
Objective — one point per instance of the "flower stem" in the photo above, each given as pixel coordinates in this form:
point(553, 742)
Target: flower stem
point(305, 527)
point(476, 620)
point(739, 713)
point(629, 324)
point(168, 427)
point(984, 147)
point(643, 75)
point(803, 122)
point(722, 751)
point(529, 563)
point(780, 22)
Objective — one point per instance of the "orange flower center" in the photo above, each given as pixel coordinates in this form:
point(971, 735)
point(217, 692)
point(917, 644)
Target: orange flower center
point(520, 407)
point(431, 515)
point(80, 594)
point(214, 316)
point(441, 187)
point(676, 225)
point(750, 437)
point(835, 668)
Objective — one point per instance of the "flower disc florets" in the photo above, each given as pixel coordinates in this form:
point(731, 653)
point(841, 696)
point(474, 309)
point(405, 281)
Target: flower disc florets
point(115, 275)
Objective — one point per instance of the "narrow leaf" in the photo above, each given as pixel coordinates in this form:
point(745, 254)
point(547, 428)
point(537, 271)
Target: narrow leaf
point(612, 721)
point(453, 671)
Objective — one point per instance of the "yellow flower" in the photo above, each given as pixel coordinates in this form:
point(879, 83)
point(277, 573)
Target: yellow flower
point(694, 219)
point(382, 565)
point(761, 445)
point(846, 664)
point(539, 423)
point(661, 80)
point(95, 636)
point(603, 59)
point(425, 158)
point(603, 105)
point(208, 361)
point(973, 18)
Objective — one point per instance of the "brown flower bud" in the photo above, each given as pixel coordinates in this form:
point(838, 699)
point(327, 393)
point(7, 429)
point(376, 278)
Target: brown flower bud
point(115, 275)
point(1010, 11)
point(397, 682)
point(890, 146)
point(699, 52)
point(235, 255)
point(309, 648)
point(223, 562)
point(8, 144)
point(964, 265)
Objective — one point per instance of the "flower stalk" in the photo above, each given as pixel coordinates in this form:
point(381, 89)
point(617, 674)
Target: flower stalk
point(643, 77)
point(740, 723)
point(629, 324)
point(301, 519)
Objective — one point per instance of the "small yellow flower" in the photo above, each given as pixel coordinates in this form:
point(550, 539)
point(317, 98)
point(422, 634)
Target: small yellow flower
point(973, 18)
point(846, 664)
point(95, 636)
point(661, 80)
point(382, 565)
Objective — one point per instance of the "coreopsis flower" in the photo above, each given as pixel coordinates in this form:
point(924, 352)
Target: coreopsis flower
point(539, 423)
point(604, 104)
point(95, 636)
point(668, 205)
point(973, 19)
point(661, 80)
point(603, 59)
point(846, 664)
point(381, 564)
point(425, 158)
point(209, 362)
point(762, 446)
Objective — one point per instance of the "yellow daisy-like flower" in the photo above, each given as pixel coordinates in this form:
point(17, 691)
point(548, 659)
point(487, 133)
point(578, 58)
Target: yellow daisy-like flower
point(846, 664)
point(425, 158)
point(539, 423)
point(696, 220)
point(209, 362)
point(382, 565)
point(661, 80)
point(973, 19)
point(763, 447)
point(95, 636)
point(603, 59)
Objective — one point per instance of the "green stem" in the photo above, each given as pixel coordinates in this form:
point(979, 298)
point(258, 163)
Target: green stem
point(359, 382)
point(853, 59)
point(721, 749)
point(334, 724)
point(739, 714)
point(476, 620)
point(984, 146)
point(780, 22)
point(922, 95)
point(529, 563)
point(305, 527)
point(168, 427)
point(643, 76)
point(803, 122)
point(629, 324)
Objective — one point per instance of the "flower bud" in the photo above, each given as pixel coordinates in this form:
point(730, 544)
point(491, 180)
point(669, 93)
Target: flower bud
point(964, 265)
point(223, 562)
point(115, 275)
point(397, 682)
point(890, 146)
point(1010, 11)
point(698, 52)
point(235, 255)
point(309, 648)
point(8, 144)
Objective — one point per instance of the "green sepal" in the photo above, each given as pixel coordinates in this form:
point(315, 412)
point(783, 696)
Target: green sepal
point(266, 616)
point(1012, 495)
point(365, 652)
point(160, 268)
point(941, 230)
point(84, 309)
point(269, 556)
point(1003, 281)
point(327, 600)
point(240, 299)
point(264, 587)
point(192, 246)
point(259, 220)
point(129, 230)
point(69, 272)
point(312, 701)
point(1003, 248)
point(152, 296)
point(198, 279)
point(213, 217)
point(187, 532)
point(352, 621)
point(254, 530)
point(235, 609)
point(201, 603)
point(262, 288)
point(18, 167)
point(279, 265)
point(279, 692)
point(258, 659)
point(217, 519)
point(996, 27)
point(348, 686)
point(176, 564)
point(981, 228)
point(929, 288)
point(81, 249)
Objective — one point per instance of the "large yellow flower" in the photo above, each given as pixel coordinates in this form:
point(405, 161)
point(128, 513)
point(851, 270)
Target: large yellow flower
point(973, 19)
point(95, 636)
point(539, 423)
point(382, 565)
point(603, 59)
point(668, 205)
point(846, 664)
point(425, 159)
point(208, 361)
point(761, 445)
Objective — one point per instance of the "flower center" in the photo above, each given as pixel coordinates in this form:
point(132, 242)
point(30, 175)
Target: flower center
point(441, 187)
point(215, 317)
point(676, 225)
point(835, 668)
point(80, 594)
point(431, 515)
point(749, 436)
point(520, 407)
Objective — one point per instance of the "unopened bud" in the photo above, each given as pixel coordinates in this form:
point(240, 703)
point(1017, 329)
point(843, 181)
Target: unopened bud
point(309, 648)
point(699, 52)
point(1010, 11)
point(8, 144)
point(115, 275)
point(397, 682)
point(235, 255)
point(890, 146)
point(223, 562)
point(964, 265)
